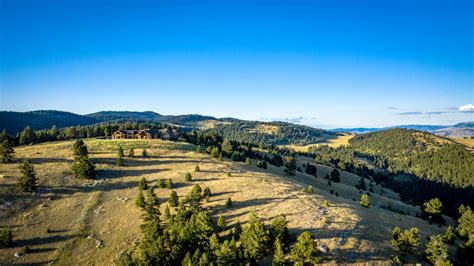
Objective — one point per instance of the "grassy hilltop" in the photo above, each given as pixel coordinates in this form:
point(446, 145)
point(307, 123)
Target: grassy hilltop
point(71, 221)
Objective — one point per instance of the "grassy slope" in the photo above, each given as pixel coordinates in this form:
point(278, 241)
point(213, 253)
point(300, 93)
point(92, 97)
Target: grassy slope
point(334, 142)
point(81, 214)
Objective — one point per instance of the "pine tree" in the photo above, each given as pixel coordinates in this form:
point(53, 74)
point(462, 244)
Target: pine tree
point(140, 200)
point(143, 184)
point(198, 149)
point(6, 238)
point(248, 161)
point(173, 200)
point(228, 203)
point(82, 166)
point(407, 241)
point(304, 250)
point(449, 235)
point(290, 165)
point(187, 261)
point(226, 254)
point(221, 223)
point(27, 136)
point(226, 147)
point(28, 181)
point(6, 151)
point(167, 212)
point(436, 250)
point(279, 230)
point(144, 153)
point(188, 177)
point(310, 189)
point(215, 152)
point(131, 153)
point(254, 239)
point(335, 176)
point(197, 169)
point(364, 200)
point(119, 161)
point(204, 260)
point(279, 254)
point(433, 207)
point(169, 183)
point(206, 193)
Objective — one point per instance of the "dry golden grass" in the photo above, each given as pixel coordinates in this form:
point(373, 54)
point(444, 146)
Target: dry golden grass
point(83, 214)
point(466, 142)
point(342, 140)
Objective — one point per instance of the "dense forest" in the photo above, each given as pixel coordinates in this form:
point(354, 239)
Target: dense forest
point(283, 133)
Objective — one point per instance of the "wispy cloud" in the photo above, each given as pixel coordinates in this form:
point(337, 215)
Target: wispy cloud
point(392, 108)
point(294, 120)
point(422, 113)
point(466, 108)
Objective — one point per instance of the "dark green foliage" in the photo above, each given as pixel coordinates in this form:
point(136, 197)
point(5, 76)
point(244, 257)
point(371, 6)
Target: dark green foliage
point(364, 200)
point(6, 150)
point(262, 164)
point(406, 241)
point(335, 176)
point(82, 166)
point(436, 250)
point(188, 177)
point(131, 153)
point(248, 161)
point(198, 148)
point(449, 235)
point(278, 254)
point(254, 239)
point(27, 136)
point(228, 203)
point(215, 152)
point(226, 147)
point(361, 184)
point(28, 181)
point(197, 169)
point(311, 169)
point(167, 213)
point(207, 192)
point(290, 165)
point(221, 223)
point(144, 153)
point(173, 200)
point(279, 230)
point(169, 183)
point(309, 189)
point(465, 229)
point(143, 184)
point(433, 207)
point(6, 238)
point(140, 200)
point(304, 251)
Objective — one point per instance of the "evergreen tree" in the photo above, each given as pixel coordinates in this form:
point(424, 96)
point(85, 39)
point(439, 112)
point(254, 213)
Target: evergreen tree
point(279, 230)
point(364, 200)
point(6, 151)
point(28, 181)
point(188, 177)
point(436, 250)
point(131, 153)
point(206, 193)
point(311, 169)
point(173, 200)
point(6, 238)
point(221, 223)
point(169, 183)
point(140, 200)
point(290, 165)
point(187, 261)
point(215, 152)
point(167, 212)
point(309, 189)
point(227, 254)
point(197, 169)
point(82, 166)
point(335, 176)
point(119, 161)
point(204, 260)
point(433, 207)
point(143, 184)
point(254, 239)
point(144, 153)
point(449, 235)
point(198, 149)
point(304, 250)
point(407, 241)
point(226, 147)
point(279, 254)
point(228, 203)
point(248, 161)
point(27, 136)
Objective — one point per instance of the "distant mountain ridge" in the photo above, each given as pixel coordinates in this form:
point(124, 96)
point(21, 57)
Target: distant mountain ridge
point(460, 130)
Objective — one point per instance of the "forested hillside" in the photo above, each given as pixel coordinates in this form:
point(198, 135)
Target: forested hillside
point(274, 133)
point(124, 115)
point(419, 153)
point(14, 122)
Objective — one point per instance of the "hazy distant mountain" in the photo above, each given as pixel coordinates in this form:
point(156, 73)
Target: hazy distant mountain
point(460, 130)
point(14, 122)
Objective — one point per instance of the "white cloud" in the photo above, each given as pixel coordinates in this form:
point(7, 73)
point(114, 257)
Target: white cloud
point(466, 108)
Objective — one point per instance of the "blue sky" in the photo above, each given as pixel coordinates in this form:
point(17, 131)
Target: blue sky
point(341, 63)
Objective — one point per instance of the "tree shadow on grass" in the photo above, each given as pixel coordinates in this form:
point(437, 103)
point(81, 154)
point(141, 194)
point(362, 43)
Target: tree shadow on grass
point(42, 240)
